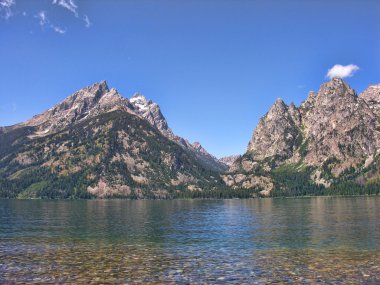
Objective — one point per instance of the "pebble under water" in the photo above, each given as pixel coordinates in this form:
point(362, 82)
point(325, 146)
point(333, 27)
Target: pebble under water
point(264, 241)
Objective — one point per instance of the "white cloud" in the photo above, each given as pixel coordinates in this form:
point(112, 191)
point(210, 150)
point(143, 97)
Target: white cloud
point(44, 21)
point(342, 71)
point(6, 7)
point(57, 29)
point(68, 4)
point(41, 16)
point(87, 22)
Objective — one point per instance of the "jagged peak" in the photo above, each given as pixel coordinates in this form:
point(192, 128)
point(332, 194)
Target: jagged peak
point(372, 97)
point(374, 86)
point(336, 86)
point(197, 145)
point(141, 103)
point(372, 92)
point(200, 149)
point(279, 101)
point(278, 106)
point(138, 97)
point(100, 87)
point(331, 90)
point(112, 95)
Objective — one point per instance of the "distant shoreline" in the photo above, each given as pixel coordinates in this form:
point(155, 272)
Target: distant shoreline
point(168, 199)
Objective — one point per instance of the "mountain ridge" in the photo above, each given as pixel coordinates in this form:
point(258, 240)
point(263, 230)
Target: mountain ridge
point(332, 132)
point(97, 143)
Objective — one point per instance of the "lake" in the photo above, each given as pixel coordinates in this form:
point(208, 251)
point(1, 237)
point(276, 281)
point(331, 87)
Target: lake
point(323, 240)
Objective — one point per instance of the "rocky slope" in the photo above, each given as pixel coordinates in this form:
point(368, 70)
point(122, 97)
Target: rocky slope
point(372, 97)
point(98, 143)
point(229, 160)
point(152, 113)
point(333, 136)
point(87, 102)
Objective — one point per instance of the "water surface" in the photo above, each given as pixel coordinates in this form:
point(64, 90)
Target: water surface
point(263, 241)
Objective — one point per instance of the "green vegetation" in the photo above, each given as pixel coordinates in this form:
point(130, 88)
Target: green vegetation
point(63, 165)
point(294, 180)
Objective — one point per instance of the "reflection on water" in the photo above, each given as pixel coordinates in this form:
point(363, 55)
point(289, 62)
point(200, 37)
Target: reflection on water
point(262, 241)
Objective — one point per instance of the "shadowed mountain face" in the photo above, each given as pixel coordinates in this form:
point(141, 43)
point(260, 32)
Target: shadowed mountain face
point(98, 143)
point(333, 136)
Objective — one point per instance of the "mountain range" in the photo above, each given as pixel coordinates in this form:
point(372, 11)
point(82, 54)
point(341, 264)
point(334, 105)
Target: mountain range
point(327, 145)
point(97, 143)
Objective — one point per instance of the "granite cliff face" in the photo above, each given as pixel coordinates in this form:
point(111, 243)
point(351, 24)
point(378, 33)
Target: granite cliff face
point(87, 102)
point(338, 125)
point(277, 134)
point(332, 133)
point(98, 143)
point(372, 97)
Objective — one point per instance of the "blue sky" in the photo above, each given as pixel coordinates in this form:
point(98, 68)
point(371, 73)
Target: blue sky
point(214, 67)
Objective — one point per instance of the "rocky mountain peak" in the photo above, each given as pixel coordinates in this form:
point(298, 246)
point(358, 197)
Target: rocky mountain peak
point(140, 102)
point(197, 146)
point(278, 107)
point(335, 118)
point(151, 112)
point(372, 92)
point(332, 131)
point(336, 87)
point(98, 88)
point(372, 97)
point(275, 133)
point(336, 90)
point(88, 101)
point(98, 99)
point(280, 103)
point(230, 160)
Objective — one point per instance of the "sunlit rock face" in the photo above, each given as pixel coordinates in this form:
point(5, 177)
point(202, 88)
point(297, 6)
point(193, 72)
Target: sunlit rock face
point(372, 97)
point(337, 123)
point(87, 102)
point(276, 134)
point(332, 131)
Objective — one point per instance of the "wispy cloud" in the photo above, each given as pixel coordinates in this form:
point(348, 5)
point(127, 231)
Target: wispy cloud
point(58, 30)
point(42, 17)
point(87, 22)
point(6, 8)
point(44, 21)
point(342, 71)
point(68, 4)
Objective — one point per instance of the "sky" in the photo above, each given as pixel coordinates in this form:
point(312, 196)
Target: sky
point(214, 66)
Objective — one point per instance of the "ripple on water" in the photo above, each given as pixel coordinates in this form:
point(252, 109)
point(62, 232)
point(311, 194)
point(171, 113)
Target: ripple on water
point(268, 241)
